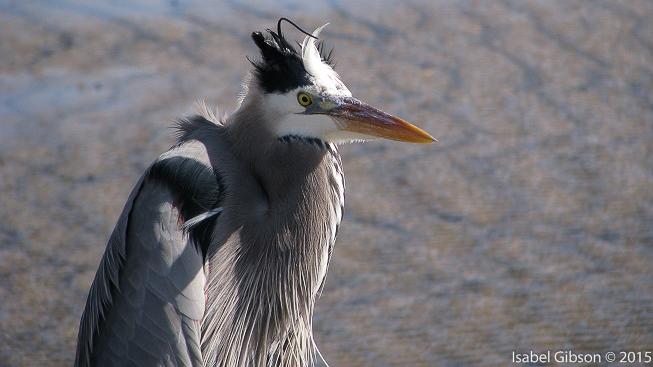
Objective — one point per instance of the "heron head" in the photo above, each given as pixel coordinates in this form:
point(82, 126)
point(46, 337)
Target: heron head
point(304, 96)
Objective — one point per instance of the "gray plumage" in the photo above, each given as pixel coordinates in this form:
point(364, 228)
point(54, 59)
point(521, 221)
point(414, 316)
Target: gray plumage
point(223, 246)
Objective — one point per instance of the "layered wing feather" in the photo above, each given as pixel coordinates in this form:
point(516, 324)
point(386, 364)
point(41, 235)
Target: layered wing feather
point(147, 300)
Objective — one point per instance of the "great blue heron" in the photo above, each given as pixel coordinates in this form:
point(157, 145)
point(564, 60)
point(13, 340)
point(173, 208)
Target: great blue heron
point(223, 245)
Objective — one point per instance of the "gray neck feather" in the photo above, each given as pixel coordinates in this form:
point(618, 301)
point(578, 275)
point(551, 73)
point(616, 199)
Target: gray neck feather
point(264, 274)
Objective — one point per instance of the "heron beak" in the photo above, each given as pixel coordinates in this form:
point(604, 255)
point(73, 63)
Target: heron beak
point(359, 117)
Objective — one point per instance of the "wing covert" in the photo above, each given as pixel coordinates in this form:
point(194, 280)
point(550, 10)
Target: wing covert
point(147, 300)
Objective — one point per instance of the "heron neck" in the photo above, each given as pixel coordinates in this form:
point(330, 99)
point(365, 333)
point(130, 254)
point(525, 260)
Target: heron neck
point(280, 252)
point(285, 167)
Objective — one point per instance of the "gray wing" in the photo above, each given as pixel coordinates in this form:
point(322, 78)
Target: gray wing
point(147, 300)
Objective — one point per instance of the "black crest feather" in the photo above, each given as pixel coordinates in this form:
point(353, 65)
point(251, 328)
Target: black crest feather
point(280, 68)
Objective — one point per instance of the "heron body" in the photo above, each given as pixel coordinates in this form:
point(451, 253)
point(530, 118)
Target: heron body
point(223, 245)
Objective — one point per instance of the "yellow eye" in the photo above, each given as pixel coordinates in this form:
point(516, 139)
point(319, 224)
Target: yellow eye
point(304, 99)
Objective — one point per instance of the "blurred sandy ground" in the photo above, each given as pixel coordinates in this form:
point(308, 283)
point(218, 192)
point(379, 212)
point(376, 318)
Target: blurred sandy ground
point(529, 226)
